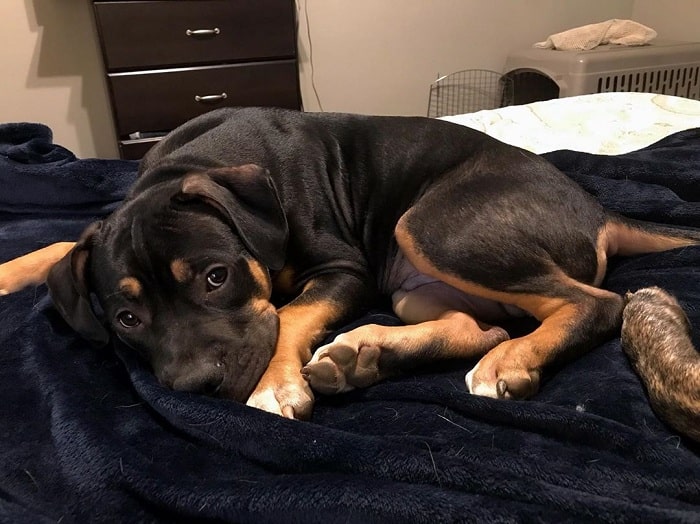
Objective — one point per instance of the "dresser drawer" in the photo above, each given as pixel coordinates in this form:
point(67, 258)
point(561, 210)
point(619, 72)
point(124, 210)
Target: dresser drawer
point(147, 34)
point(161, 100)
point(135, 149)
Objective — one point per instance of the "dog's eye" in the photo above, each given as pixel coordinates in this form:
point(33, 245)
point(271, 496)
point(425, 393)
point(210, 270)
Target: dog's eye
point(128, 319)
point(216, 277)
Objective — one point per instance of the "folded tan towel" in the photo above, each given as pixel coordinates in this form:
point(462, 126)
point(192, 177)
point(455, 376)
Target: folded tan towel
point(622, 32)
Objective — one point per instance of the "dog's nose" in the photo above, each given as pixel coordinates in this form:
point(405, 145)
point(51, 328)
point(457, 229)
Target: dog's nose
point(205, 379)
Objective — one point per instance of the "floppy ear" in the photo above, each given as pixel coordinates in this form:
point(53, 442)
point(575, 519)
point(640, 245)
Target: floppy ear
point(70, 293)
point(247, 196)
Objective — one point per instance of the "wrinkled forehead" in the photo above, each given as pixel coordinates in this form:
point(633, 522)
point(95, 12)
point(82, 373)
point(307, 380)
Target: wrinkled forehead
point(152, 238)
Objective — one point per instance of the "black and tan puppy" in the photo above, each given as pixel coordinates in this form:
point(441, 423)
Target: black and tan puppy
point(332, 210)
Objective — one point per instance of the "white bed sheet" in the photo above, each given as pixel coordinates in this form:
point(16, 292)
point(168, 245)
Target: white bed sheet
point(606, 123)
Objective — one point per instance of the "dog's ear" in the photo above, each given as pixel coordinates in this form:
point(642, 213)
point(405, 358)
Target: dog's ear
point(247, 196)
point(68, 285)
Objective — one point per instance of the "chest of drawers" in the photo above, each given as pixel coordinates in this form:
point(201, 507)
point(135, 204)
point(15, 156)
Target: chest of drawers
point(170, 60)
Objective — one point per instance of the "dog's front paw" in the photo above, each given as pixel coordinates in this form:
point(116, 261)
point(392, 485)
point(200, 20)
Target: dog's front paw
point(343, 365)
point(282, 390)
point(497, 376)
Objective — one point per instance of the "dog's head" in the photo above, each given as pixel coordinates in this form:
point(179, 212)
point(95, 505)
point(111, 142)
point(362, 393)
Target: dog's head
point(181, 274)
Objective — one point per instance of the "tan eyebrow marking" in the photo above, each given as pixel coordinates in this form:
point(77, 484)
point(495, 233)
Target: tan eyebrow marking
point(181, 270)
point(131, 287)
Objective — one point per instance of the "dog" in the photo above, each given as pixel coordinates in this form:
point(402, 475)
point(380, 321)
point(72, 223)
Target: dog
point(330, 212)
point(656, 337)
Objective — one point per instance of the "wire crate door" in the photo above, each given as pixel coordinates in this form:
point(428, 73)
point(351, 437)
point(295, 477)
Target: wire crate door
point(468, 91)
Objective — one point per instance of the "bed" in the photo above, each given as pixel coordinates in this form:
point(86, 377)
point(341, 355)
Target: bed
point(89, 435)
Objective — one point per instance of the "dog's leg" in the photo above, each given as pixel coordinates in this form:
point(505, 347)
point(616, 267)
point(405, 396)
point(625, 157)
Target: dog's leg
point(568, 327)
point(574, 318)
point(520, 234)
point(574, 315)
point(32, 268)
point(324, 303)
point(370, 353)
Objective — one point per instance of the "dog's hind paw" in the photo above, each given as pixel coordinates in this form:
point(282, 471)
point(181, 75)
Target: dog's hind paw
point(12, 278)
point(506, 383)
point(32, 268)
point(341, 366)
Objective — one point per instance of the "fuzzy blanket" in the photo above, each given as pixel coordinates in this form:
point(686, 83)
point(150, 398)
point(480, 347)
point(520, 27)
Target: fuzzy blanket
point(90, 436)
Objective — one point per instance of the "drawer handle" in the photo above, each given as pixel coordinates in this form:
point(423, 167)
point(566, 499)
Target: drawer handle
point(210, 98)
point(203, 32)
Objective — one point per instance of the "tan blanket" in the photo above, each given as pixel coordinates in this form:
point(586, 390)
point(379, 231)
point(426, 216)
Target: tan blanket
point(621, 32)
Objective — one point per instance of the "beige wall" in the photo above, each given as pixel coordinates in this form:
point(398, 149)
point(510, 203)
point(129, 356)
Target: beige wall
point(379, 56)
point(52, 73)
point(369, 56)
point(673, 20)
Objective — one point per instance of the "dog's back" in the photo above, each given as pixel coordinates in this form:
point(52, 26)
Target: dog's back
point(348, 163)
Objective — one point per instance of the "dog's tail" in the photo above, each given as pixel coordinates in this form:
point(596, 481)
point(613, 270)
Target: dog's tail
point(656, 338)
point(626, 236)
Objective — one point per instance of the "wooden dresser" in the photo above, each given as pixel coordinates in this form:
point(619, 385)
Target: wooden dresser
point(168, 61)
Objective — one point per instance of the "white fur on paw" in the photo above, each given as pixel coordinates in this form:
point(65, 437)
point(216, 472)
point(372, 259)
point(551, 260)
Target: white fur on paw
point(266, 401)
point(289, 401)
point(481, 389)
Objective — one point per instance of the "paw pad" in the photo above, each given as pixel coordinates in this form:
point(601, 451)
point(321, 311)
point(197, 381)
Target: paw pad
point(339, 367)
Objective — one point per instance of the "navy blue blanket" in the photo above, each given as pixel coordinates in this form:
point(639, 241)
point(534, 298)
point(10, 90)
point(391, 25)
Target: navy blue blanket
point(88, 435)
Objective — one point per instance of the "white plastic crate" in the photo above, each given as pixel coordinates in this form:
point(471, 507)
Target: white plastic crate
point(671, 68)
